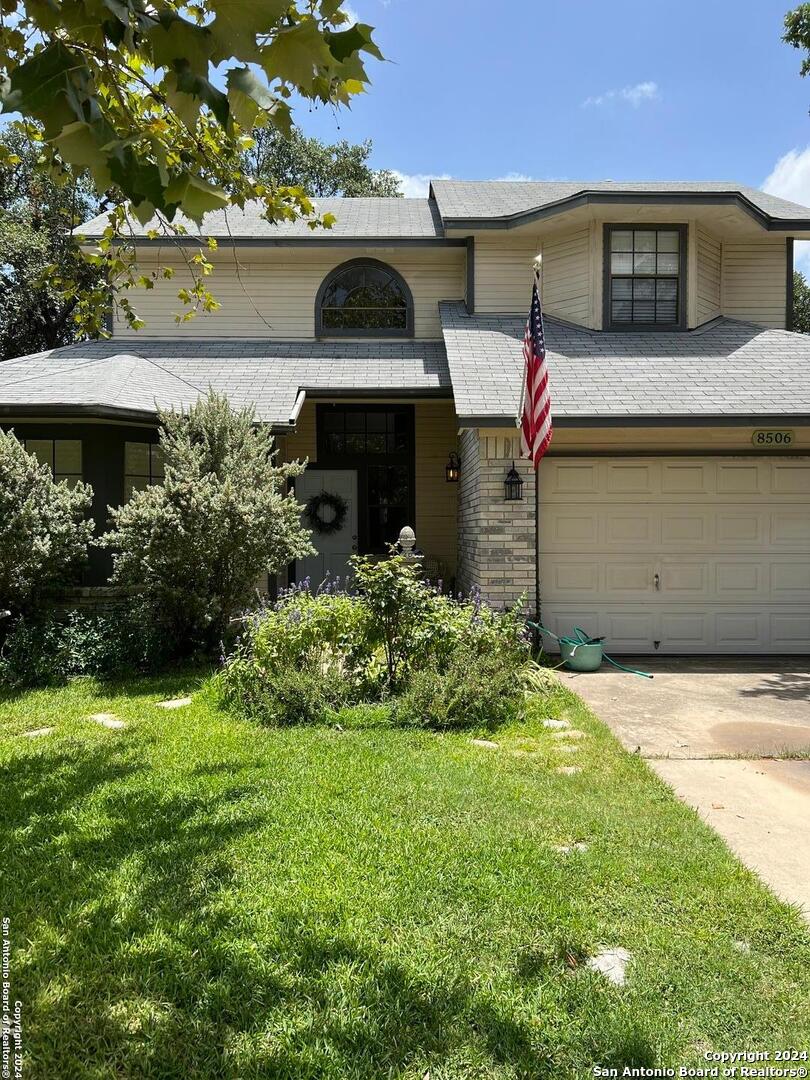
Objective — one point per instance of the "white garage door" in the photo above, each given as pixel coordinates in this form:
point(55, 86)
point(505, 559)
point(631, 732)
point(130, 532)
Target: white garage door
point(678, 555)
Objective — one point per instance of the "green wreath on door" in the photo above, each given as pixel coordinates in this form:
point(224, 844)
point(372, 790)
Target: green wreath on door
point(326, 500)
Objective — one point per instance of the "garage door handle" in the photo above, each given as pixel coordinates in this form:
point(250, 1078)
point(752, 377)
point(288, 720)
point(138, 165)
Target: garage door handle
point(657, 581)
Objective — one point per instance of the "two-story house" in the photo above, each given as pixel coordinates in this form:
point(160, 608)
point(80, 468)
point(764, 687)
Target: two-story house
point(675, 499)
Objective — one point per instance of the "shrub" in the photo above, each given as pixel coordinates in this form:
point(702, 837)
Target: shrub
point(195, 545)
point(475, 690)
point(52, 648)
point(456, 662)
point(43, 528)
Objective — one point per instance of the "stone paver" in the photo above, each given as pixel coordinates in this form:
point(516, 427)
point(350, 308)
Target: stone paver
point(174, 703)
point(485, 743)
point(568, 770)
point(612, 963)
point(37, 733)
point(108, 720)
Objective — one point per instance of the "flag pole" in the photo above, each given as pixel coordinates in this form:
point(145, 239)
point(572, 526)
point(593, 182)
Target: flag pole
point(538, 638)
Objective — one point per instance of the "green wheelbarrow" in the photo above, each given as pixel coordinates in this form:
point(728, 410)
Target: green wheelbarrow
point(583, 653)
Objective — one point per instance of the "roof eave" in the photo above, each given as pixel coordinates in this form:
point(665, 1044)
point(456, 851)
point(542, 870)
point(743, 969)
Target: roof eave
point(650, 198)
point(643, 420)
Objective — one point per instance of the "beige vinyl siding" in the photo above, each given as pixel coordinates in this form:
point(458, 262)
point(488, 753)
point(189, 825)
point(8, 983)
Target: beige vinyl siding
point(567, 276)
point(709, 264)
point(273, 293)
point(503, 273)
point(754, 282)
point(436, 434)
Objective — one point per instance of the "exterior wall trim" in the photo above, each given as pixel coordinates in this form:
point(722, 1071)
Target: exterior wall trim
point(470, 275)
point(789, 283)
point(299, 241)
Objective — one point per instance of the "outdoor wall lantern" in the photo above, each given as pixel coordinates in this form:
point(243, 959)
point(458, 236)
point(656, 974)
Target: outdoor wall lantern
point(513, 486)
point(452, 469)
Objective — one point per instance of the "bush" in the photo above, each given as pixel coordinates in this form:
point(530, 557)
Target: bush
point(475, 690)
point(455, 662)
point(43, 528)
point(195, 545)
point(52, 648)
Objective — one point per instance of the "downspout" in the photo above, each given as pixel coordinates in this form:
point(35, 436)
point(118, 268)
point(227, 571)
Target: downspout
point(292, 419)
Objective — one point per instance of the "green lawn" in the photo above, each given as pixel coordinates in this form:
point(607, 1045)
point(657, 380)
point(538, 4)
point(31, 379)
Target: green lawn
point(197, 897)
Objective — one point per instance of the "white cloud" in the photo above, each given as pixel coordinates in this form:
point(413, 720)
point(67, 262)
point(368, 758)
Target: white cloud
point(416, 185)
point(347, 9)
point(631, 95)
point(516, 177)
point(790, 179)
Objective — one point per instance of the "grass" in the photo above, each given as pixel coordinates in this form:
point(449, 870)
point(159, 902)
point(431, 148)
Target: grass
point(195, 897)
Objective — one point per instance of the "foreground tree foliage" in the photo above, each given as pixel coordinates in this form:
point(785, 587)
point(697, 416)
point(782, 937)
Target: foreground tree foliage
point(44, 530)
point(195, 546)
point(36, 219)
point(155, 101)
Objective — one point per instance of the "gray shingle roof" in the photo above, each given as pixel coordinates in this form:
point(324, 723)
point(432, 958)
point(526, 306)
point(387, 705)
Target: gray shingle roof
point(172, 373)
point(384, 218)
point(724, 369)
point(503, 198)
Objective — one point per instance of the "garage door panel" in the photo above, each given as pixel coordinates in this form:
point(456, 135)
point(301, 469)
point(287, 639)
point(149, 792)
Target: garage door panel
point(790, 529)
point(740, 480)
point(685, 479)
point(632, 478)
point(791, 478)
point(729, 539)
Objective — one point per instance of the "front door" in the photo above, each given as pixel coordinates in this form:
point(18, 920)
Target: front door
point(333, 549)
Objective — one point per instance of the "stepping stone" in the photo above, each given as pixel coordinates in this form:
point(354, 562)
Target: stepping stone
point(485, 743)
point(566, 849)
point(568, 770)
point(37, 732)
point(742, 946)
point(611, 963)
point(174, 703)
point(569, 748)
point(572, 734)
point(108, 720)
point(556, 725)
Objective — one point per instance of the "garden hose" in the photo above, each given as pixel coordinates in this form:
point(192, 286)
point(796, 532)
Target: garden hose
point(584, 639)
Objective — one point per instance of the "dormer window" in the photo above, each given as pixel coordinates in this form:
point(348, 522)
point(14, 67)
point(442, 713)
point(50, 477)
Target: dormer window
point(364, 298)
point(645, 276)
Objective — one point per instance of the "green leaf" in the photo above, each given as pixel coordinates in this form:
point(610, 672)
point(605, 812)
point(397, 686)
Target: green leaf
point(78, 144)
point(197, 86)
point(248, 95)
point(175, 41)
point(298, 54)
point(32, 87)
point(345, 43)
point(195, 196)
point(239, 23)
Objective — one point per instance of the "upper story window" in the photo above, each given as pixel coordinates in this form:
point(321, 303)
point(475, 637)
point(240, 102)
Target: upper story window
point(364, 298)
point(62, 456)
point(645, 272)
point(143, 466)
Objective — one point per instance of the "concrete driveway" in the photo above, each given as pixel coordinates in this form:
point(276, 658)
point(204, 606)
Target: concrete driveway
point(732, 738)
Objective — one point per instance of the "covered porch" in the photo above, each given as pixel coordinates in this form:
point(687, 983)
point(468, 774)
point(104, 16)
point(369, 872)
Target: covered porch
point(383, 464)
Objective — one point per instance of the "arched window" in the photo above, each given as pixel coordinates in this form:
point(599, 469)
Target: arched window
point(361, 298)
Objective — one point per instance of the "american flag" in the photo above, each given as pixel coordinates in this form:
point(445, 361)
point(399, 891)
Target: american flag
point(535, 403)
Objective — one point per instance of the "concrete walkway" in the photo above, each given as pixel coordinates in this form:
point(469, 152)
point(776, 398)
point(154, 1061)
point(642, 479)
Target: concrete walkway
point(714, 730)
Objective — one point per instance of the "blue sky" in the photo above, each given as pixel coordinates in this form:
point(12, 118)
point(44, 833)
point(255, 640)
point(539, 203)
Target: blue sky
point(592, 90)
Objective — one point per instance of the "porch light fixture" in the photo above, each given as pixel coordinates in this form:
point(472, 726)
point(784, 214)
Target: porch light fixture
point(513, 486)
point(452, 469)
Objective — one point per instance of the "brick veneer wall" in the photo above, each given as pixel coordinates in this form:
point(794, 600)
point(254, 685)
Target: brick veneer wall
point(495, 537)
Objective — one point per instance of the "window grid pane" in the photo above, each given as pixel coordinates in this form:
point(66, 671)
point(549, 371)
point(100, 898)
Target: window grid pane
point(644, 276)
point(143, 466)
